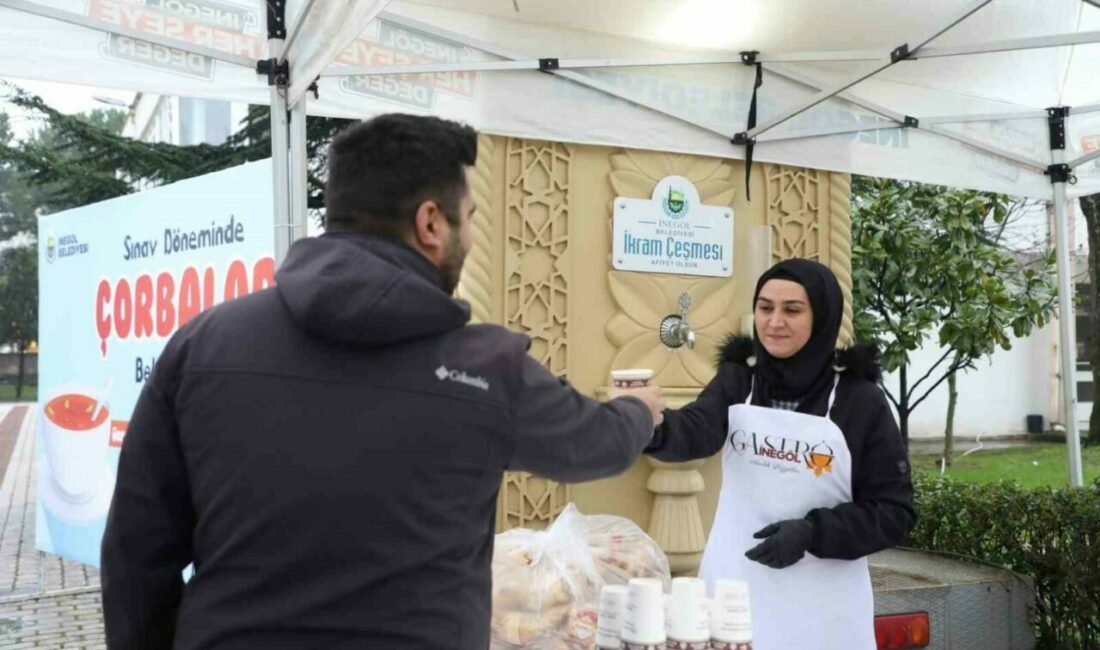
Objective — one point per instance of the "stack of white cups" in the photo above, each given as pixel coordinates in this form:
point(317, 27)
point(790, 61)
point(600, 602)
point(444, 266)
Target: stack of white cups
point(644, 626)
point(731, 618)
point(611, 614)
point(688, 619)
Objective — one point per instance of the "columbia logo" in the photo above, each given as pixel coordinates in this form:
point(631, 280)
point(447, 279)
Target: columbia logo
point(461, 377)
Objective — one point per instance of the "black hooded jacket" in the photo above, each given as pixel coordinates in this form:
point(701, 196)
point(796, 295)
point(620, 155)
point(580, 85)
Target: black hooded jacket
point(328, 454)
point(881, 513)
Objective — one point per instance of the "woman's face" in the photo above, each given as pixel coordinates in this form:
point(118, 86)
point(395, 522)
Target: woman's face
point(784, 319)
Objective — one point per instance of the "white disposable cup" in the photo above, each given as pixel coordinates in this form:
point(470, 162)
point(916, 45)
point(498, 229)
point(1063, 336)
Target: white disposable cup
point(75, 455)
point(731, 618)
point(645, 612)
point(610, 616)
point(689, 611)
point(666, 603)
point(631, 378)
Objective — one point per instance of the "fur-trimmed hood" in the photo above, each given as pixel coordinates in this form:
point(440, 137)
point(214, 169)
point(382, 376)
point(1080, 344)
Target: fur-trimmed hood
point(862, 360)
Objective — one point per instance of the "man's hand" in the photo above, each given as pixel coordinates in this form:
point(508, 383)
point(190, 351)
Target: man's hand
point(653, 397)
point(786, 543)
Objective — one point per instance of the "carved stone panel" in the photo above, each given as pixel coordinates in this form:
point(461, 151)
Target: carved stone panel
point(793, 198)
point(478, 284)
point(808, 212)
point(643, 300)
point(537, 228)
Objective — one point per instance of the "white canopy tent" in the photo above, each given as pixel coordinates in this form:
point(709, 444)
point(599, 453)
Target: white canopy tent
point(999, 95)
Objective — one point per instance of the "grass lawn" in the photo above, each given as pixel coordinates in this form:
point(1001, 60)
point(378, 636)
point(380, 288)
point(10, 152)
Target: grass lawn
point(1033, 466)
point(7, 393)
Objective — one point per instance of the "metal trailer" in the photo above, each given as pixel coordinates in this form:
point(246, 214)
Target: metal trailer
point(970, 606)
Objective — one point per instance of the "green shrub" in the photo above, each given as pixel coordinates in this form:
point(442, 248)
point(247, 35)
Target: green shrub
point(1051, 535)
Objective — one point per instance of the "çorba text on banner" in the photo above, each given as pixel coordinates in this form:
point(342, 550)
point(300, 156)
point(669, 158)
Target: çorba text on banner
point(116, 280)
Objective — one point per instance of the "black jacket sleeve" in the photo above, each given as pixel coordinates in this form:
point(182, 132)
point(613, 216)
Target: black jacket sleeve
point(565, 436)
point(147, 543)
point(881, 513)
point(697, 430)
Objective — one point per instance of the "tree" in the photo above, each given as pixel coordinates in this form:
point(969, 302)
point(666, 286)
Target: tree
point(21, 200)
point(19, 303)
point(74, 160)
point(82, 159)
point(1090, 206)
point(949, 429)
point(17, 203)
point(924, 261)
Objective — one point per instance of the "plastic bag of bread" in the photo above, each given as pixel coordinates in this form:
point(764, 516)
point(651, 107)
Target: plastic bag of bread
point(546, 584)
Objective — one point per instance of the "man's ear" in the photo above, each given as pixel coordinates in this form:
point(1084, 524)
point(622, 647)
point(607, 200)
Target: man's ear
point(431, 231)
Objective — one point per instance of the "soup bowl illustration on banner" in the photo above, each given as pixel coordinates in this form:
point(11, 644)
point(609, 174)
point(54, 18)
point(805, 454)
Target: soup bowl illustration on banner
point(76, 427)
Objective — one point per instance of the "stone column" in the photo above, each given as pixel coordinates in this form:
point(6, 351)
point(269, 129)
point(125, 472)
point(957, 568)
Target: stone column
point(676, 523)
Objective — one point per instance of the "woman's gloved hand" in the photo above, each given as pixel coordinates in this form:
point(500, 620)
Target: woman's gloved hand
point(786, 542)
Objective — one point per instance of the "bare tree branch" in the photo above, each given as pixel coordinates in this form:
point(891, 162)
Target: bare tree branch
point(890, 396)
point(913, 386)
point(955, 367)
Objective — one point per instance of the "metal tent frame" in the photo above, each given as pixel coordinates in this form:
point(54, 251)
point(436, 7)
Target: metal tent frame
point(288, 113)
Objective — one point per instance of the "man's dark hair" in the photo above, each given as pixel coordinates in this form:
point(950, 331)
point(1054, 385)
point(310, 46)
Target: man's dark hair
point(381, 170)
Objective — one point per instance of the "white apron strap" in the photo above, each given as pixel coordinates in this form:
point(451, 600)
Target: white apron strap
point(832, 395)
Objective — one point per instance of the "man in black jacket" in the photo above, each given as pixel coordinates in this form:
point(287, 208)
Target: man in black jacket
point(327, 453)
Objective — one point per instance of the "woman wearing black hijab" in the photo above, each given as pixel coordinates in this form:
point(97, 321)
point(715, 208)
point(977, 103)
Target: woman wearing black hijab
point(815, 475)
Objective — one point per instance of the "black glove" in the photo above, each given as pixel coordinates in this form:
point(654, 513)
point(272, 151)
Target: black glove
point(786, 543)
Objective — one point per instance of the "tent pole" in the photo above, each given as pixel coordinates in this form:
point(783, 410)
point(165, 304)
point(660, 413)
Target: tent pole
point(1058, 40)
point(281, 179)
point(577, 78)
point(298, 163)
point(279, 158)
point(1023, 161)
point(902, 53)
point(848, 96)
point(1089, 157)
point(826, 132)
point(1066, 324)
point(1068, 342)
point(986, 117)
point(295, 30)
point(280, 127)
point(1013, 45)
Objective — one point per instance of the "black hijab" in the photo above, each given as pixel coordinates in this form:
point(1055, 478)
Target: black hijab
point(810, 370)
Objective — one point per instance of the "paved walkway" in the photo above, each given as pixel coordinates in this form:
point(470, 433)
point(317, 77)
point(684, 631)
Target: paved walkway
point(45, 601)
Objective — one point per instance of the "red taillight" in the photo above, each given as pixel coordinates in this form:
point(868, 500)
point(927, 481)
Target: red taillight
point(902, 631)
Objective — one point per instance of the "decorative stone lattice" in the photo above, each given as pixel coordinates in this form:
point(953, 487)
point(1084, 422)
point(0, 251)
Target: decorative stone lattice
point(536, 294)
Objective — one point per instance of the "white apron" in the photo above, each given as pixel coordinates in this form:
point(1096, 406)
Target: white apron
point(779, 465)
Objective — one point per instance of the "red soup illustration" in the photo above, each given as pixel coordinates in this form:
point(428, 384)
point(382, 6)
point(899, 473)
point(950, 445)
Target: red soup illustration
point(76, 412)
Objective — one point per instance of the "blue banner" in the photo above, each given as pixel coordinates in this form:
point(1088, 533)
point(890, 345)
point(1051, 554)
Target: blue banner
point(116, 280)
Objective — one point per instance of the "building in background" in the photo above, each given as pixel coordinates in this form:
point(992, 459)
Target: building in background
point(187, 121)
point(182, 120)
